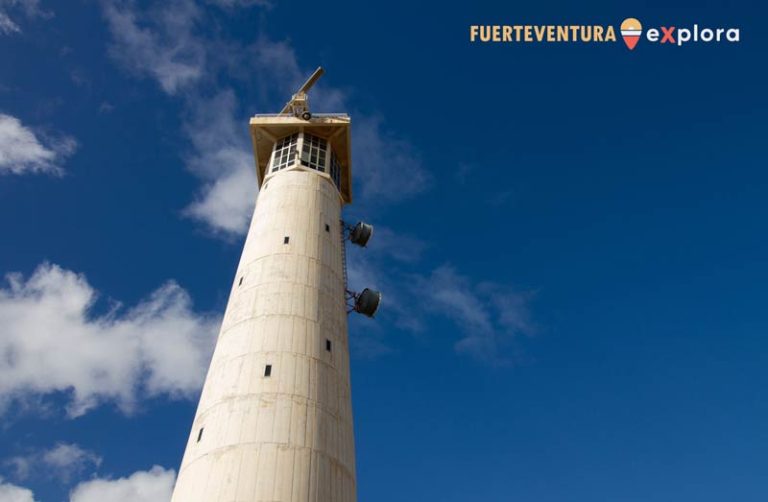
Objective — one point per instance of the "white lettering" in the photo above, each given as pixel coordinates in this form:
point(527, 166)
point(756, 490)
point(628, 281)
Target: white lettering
point(720, 31)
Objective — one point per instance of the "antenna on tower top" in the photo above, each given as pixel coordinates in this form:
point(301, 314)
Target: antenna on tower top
point(299, 103)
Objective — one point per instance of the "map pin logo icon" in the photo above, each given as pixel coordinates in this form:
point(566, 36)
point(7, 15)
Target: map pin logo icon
point(631, 29)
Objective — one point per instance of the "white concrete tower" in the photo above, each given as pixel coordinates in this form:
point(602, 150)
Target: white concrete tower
point(274, 421)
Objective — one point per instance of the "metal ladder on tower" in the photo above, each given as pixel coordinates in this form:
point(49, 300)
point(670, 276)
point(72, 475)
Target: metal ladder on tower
point(342, 235)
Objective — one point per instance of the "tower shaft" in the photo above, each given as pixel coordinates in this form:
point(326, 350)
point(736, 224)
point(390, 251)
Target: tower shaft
point(274, 422)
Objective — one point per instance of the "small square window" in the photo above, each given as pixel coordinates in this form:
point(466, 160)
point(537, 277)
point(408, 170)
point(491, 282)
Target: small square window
point(327, 227)
point(328, 345)
point(200, 434)
point(286, 239)
point(268, 370)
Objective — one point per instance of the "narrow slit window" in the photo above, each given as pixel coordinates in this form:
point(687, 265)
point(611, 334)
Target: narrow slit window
point(268, 370)
point(286, 239)
point(200, 434)
point(328, 345)
point(327, 227)
point(241, 282)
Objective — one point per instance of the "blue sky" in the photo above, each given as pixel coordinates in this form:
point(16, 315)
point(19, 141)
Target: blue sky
point(570, 239)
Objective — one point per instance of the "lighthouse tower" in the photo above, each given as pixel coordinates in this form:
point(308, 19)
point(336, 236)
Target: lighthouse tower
point(274, 421)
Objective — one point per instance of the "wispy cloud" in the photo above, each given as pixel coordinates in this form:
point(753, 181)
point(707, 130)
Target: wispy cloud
point(7, 26)
point(158, 347)
point(399, 247)
point(501, 198)
point(388, 168)
point(160, 43)
point(488, 316)
point(22, 151)
point(30, 8)
point(154, 485)
point(63, 461)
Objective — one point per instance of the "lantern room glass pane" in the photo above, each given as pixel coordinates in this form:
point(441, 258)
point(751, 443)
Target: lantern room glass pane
point(313, 152)
point(284, 152)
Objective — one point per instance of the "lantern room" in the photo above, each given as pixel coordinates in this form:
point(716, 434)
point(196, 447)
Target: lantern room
point(320, 145)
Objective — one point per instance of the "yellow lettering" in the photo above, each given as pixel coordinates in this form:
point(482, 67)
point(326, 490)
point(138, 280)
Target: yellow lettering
point(507, 33)
point(485, 33)
point(586, 33)
point(598, 33)
point(472, 33)
point(558, 33)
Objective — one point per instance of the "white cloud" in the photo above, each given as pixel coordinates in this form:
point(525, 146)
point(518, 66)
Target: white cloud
point(226, 200)
point(159, 347)
point(155, 485)
point(13, 493)
point(21, 151)
point(223, 159)
point(62, 461)
point(160, 43)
